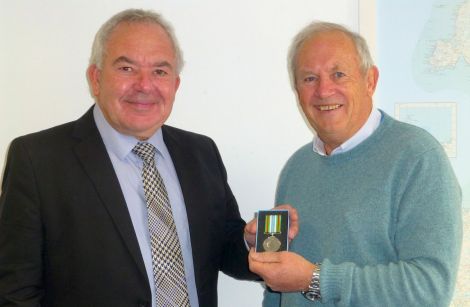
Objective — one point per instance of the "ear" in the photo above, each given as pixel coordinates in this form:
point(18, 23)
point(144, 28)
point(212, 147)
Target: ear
point(177, 83)
point(372, 78)
point(93, 74)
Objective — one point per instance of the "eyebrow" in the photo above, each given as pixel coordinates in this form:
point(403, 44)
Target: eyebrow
point(125, 59)
point(335, 67)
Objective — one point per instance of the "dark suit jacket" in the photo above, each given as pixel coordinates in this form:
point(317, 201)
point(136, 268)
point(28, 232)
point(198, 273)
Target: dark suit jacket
point(66, 237)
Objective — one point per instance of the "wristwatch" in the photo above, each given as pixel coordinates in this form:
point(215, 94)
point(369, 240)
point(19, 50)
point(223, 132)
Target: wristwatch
point(313, 292)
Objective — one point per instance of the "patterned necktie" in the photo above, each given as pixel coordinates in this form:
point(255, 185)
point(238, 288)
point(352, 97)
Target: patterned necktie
point(167, 259)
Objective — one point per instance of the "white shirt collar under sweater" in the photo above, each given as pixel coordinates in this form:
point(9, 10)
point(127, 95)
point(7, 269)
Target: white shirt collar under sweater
point(369, 127)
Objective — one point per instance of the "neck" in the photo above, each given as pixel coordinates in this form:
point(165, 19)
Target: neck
point(329, 148)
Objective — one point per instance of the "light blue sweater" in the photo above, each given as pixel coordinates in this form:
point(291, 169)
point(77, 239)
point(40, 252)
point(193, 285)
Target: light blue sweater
point(384, 219)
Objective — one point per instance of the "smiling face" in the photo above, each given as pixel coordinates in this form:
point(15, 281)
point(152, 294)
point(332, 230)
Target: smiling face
point(333, 91)
point(136, 85)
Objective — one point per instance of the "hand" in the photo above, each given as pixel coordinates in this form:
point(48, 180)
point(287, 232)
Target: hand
point(282, 271)
point(250, 228)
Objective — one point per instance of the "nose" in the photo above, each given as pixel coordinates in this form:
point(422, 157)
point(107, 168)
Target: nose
point(325, 88)
point(144, 82)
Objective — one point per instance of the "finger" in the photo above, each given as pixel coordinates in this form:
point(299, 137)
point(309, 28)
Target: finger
point(251, 227)
point(293, 231)
point(265, 257)
point(250, 238)
point(283, 207)
point(293, 215)
point(293, 220)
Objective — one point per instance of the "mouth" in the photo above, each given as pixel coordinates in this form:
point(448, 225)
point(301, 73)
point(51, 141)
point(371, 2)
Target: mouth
point(140, 105)
point(329, 107)
point(141, 100)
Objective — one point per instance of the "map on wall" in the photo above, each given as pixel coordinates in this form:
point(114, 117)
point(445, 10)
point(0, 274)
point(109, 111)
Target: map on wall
point(442, 56)
point(424, 62)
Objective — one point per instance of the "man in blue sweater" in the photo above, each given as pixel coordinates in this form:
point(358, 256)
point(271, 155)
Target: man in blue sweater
point(379, 204)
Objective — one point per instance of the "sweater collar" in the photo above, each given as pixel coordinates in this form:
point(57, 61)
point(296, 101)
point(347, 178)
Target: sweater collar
point(361, 135)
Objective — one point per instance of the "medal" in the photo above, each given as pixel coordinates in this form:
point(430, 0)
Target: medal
point(271, 244)
point(272, 225)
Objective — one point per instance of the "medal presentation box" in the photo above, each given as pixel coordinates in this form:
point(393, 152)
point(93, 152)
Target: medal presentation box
point(271, 235)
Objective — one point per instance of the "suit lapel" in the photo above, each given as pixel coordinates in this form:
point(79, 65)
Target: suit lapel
point(185, 166)
point(94, 158)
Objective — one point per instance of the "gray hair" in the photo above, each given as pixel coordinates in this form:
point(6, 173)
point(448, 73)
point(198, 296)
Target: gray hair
point(318, 27)
point(98, 50)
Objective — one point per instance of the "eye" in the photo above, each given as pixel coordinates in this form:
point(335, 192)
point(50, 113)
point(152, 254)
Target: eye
point(339, 74)
point(160, 72)
point(310, 79)
point(125, 68)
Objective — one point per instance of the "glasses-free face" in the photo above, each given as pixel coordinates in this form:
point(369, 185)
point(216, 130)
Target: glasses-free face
point(333, 91)
point(136, 85)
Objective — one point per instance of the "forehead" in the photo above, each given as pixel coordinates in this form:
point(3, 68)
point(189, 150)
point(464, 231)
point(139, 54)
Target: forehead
point(139, 36)
point(332, 47)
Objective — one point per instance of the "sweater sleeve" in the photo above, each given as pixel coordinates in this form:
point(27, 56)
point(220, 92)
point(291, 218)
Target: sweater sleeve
point(427, 239)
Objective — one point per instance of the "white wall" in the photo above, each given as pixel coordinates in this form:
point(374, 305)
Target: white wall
point(234, 86)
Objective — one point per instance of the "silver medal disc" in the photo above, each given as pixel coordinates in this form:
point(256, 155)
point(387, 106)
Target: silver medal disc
point(271, 244)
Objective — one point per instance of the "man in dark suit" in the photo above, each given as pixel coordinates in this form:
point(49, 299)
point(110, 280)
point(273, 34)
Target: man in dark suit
point(74, 229)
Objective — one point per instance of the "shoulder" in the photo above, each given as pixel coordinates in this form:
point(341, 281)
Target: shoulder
point(49, 138)
point(410, 138)
point(44, 149)
point(58, 140)
point(410, 150)
point(181, 140)
point(183, 136)
point(300, 155)
point(299, 159)
point(61, 135)
point(295, 171)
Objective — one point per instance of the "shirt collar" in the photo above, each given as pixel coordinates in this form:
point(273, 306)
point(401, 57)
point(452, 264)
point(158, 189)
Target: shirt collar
point(120, 144)
point(366, 130)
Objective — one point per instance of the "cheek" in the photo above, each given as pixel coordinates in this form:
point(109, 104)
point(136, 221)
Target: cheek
point(114, 85)
point(304, 95)
point(307, 101)
point(167, 93)
point(357, 98)
point(168, 89)
point(309, 111)
point(117, 88)
point(110, 99)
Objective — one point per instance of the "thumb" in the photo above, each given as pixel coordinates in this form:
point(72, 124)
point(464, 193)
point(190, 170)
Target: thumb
point(265, 257)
